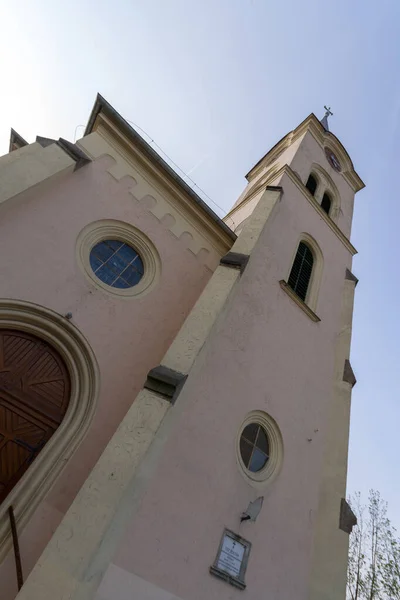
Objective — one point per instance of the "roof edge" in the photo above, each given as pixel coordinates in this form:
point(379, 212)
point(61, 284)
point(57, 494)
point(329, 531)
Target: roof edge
point(101, 105)
point(15, 138)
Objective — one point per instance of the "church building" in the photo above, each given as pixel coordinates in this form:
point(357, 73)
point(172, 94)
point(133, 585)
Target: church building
point(175, 388)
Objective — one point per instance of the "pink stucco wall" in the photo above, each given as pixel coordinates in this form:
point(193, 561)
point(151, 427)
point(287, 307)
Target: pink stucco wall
point(264, 353)
point(38, 232)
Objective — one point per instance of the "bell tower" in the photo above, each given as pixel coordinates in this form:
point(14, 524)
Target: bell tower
point(244, 483)
point(317, 183)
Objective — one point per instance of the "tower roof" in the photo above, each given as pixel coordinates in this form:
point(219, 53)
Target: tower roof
point(325, 138)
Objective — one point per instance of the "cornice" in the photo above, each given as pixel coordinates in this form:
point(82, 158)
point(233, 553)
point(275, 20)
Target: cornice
point(135, 145)
point(217, 231)
point(272, 155)
point(327, 138)
point(331, 224)
point(264, 181)
point(287, 170)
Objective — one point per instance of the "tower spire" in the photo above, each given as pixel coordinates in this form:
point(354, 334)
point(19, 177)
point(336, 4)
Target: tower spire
point(324, 120)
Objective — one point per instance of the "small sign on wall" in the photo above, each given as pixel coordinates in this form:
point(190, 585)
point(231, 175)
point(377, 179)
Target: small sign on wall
point(231, 561)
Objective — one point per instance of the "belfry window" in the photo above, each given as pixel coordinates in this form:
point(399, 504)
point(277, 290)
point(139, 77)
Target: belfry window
point(311, 184)
point(300, 275)
point(326, 203)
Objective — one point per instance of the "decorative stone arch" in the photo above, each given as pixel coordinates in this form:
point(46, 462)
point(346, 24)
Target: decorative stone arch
point(325, 184)
point(83, 370)
point(317, 269)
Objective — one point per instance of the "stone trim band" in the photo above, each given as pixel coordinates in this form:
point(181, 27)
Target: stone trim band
point(166, 382)
point(347, 518)
point(236, 260)
point(348, 373)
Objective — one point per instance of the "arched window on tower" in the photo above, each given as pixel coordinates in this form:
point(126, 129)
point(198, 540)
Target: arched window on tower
point(311, 184)
point(326, 203)
point(300, 275)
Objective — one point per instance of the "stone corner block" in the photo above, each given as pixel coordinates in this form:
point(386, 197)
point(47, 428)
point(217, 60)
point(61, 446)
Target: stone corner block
point(351, 277)
point(348, 373)
point(74, 152)
point(347, 518)
point(235, 260)
point(166, 382)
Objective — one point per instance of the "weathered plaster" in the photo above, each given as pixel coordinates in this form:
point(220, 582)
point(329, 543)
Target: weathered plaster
point(193, 334)
point(330, 549)
point(118, 585)
point(29, 166)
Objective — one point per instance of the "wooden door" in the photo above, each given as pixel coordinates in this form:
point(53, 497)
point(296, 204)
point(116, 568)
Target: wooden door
point(34, 396)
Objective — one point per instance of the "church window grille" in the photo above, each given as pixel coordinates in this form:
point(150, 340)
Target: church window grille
point(300, 275)
point(116, 263)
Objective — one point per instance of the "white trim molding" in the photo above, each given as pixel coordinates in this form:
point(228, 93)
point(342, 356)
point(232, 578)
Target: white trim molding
point(292, 294)
point(273, 466)
point(83, 370)
point(110, 229)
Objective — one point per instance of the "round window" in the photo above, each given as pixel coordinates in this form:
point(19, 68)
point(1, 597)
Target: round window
point(254, 447)
point(117, 264)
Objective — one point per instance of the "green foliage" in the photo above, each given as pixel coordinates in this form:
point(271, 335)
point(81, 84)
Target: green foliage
point(374, 552)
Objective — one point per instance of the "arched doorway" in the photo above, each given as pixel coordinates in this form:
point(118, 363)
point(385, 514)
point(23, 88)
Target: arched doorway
point(34, 396)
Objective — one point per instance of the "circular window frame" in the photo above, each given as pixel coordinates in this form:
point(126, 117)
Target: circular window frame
point(274, 463)
point(100, 231)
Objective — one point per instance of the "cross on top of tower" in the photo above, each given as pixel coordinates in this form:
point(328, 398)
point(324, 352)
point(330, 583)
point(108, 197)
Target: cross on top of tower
point(327, 114)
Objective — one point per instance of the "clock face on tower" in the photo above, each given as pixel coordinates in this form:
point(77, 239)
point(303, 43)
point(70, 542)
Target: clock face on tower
point(333, 160)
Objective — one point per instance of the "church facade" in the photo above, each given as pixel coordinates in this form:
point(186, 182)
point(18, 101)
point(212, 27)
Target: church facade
point(175, 388)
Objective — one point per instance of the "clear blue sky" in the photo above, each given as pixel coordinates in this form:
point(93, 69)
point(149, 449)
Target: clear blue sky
point(216, 83)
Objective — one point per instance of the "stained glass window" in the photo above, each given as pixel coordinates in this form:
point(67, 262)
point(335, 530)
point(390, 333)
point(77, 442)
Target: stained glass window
point(116, 264)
